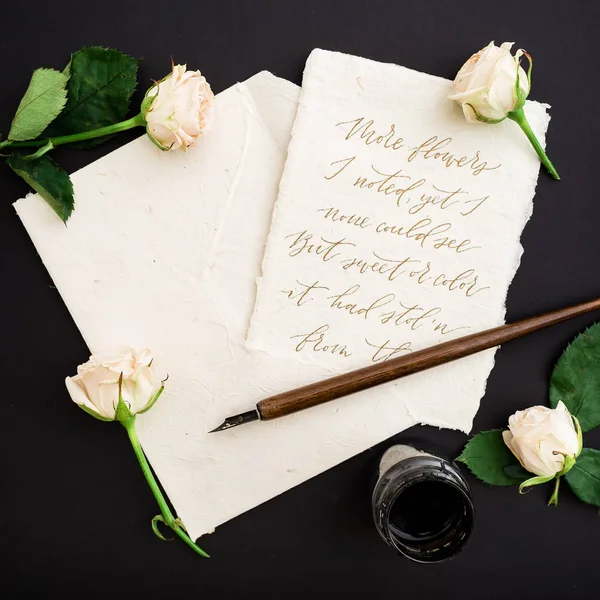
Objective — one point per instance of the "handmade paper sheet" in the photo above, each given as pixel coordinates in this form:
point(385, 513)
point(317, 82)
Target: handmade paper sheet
point(397, 226)
point(163, 251)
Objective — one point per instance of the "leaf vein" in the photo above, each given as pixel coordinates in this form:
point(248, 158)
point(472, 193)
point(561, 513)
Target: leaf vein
point(48, 89)
point(589, 473)
point(80, 101)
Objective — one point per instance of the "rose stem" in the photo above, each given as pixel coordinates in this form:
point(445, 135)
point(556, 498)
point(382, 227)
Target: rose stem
point(554, 498)
point(136, 121)
point(170, 520)
point(518, 116)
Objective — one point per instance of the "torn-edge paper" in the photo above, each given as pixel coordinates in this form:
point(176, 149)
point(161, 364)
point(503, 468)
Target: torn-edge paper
point(163, 251)
point(397, 227)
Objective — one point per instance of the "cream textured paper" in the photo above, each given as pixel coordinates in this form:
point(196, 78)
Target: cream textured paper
point(397, 226)
point(163, 251)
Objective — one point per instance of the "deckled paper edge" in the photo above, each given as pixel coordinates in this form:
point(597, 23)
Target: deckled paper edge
point(519, 251)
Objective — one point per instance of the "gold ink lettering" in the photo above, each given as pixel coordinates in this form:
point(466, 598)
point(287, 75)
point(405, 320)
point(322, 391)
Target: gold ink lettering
point(415, 317)
point(392, 270)
point(347, 161)
point(302, 243)
point(432, 147)
point(480, 202)
point(423, 231)
point(315, 341)
point(467, 281)
point(443, 202)
point(367, 133)
point(385, 351)
point(334, 215)
point(339, 301)
point(303, 296)
point(386, 185)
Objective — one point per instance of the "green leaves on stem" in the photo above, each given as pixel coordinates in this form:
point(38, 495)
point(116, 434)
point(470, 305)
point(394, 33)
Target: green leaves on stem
point(83, 105)
point(101, 83)
point(489, 459)
point(576, 382)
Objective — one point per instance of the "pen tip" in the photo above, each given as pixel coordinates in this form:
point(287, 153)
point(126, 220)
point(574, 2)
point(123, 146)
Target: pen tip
point(221, 427)
point(241, 419)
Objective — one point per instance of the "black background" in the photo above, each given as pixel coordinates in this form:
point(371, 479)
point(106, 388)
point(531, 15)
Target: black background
point(75, 510)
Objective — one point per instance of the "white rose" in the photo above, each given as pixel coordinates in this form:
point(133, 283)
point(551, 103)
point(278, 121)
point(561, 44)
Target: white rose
point(541, 438)
point(96, 386)
point(485, 86)
point(176, 109)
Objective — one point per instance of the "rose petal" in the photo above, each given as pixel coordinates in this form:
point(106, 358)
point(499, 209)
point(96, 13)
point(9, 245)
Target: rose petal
point(78, 394)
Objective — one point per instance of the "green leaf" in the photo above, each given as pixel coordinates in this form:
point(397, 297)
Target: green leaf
point(576, 379)
point(44, 99)
point(584, 477)
point(50, 181)
point(516, 471)
point(101, 82)
point(489, 459)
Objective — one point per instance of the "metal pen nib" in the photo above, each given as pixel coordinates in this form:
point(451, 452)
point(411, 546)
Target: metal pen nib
point(241, 419)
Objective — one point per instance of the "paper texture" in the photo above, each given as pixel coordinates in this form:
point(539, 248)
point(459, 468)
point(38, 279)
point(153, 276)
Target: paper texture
point(397, 226)
point(163, 251)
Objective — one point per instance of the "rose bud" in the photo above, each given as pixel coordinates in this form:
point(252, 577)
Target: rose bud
point(492, 86)
point(541, 438)
point(485, 86)
point(104, 378)
point(546, 442)
point(176, 109)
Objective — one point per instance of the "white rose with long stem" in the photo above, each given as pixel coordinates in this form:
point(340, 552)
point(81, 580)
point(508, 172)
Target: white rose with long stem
point(117, 387)
point(491, 86)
